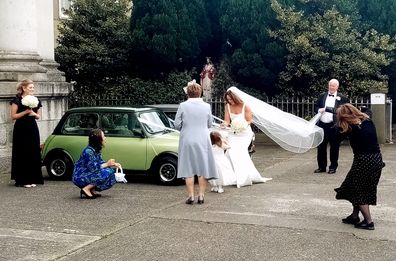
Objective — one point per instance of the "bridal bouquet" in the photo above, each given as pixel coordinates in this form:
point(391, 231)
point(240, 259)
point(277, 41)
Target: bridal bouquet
point(30, 101)
point(238, 125)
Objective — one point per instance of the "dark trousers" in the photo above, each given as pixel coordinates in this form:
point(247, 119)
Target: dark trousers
point(330, 137)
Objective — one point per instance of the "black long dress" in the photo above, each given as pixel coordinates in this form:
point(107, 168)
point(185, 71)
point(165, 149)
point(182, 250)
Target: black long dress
point(26, 158)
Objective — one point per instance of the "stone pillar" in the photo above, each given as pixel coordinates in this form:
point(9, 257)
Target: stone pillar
point(27, 52)
point(378, 114)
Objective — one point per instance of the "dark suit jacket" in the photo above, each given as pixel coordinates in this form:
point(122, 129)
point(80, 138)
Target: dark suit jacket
point(322, 101)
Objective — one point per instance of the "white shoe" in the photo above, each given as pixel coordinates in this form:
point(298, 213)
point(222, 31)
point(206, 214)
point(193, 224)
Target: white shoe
point(220, 190)
point(214, 189)
point(267, 179)
point(27, 186)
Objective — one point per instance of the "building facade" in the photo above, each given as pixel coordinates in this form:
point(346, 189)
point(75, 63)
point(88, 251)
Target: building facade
point(27, 52)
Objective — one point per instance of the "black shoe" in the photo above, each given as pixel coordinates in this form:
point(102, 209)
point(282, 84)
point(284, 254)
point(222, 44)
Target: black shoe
point(96, 195)
point(200, 200)
point(319, 170)
point(364, 225)
point(82, 192)
point(331, 171)
point(350, 220)
point(190, 200)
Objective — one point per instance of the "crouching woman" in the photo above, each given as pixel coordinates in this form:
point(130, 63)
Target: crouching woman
point(91, 173)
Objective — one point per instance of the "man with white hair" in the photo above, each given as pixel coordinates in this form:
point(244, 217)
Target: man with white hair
point(328, 103)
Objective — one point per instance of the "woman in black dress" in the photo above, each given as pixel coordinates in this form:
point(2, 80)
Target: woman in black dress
point(26, 158)
point(360, 184)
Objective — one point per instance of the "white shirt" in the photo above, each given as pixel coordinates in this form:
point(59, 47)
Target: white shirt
point(327, 117)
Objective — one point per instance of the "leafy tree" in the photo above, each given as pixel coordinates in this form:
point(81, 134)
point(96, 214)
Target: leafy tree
point(380, 16)
point(135, 91)
point(256, 59)
point(223, 78)
point(167, 35)
point(328, 46)
point(94, 42)
point(214, 45)
point(345, 7)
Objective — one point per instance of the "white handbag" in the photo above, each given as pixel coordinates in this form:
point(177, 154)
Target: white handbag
point(120, 176)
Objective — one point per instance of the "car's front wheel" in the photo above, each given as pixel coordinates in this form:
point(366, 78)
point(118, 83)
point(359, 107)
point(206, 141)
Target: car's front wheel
point(166, 171)
point(59, 166)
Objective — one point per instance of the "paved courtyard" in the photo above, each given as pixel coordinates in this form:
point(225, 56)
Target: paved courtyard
point(293, 217)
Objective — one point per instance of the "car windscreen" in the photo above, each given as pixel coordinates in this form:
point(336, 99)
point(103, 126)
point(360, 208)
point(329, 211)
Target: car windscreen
point(154, 121)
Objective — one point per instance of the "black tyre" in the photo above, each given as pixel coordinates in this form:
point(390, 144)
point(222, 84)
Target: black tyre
point(60, 167)
point(166, 171)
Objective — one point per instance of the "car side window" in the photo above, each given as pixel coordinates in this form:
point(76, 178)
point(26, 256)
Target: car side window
point(80, 123)
point(120, 124)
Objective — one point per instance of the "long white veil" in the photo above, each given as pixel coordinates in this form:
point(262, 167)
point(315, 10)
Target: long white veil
point(289, 131)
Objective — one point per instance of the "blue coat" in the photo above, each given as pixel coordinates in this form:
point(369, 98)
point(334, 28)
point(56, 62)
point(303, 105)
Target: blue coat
point(193, 119)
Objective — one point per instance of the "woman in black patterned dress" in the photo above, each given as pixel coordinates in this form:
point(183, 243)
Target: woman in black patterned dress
point(26, 158)
point(360, 184)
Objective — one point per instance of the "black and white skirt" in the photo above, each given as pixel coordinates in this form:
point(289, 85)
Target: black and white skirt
point(360, 184)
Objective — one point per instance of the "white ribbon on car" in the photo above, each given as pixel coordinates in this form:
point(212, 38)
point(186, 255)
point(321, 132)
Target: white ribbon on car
point(157, 125)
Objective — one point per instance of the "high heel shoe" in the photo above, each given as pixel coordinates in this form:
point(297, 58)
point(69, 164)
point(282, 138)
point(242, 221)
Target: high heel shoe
point(200, 199)
point(82, 192)
point(190, 200)
point(96, 195)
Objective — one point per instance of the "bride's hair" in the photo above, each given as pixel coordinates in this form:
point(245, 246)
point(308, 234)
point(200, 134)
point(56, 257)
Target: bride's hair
point(194, 90)
point(230, 95)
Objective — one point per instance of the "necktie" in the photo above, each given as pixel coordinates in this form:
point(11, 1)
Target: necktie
point(331, 95)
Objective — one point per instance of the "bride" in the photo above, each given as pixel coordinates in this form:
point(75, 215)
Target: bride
point(238, 116)
point(289, 131)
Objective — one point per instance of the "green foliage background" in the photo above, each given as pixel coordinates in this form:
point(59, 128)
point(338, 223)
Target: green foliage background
point(147, 50)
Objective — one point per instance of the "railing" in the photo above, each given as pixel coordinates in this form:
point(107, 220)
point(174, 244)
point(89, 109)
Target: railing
point(301, 107)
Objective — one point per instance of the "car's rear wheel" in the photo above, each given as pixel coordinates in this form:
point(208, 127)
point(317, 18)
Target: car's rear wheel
point(166, 171)
point(59, 166)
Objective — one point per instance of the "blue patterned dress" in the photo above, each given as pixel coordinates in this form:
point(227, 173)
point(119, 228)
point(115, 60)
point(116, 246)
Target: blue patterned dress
point(87, 171)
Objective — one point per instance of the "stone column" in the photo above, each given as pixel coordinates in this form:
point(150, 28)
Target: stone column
point(378, 99)
point(27, 52)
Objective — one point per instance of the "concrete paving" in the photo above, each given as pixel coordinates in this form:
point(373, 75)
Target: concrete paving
point(293, 217)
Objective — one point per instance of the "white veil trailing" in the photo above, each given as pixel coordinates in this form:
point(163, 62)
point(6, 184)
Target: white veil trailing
point(289, 131)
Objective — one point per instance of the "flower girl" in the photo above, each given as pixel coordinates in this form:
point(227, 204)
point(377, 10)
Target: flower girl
point(223, 164)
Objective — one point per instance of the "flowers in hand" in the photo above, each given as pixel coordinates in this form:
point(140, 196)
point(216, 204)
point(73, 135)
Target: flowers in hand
point(30, 101)
point(239, 125)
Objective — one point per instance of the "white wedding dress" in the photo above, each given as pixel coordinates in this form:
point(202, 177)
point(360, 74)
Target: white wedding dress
point(245, 171)
point(224, 168)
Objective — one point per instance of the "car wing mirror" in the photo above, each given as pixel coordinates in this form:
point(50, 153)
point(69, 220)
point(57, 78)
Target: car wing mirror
point(138, 133)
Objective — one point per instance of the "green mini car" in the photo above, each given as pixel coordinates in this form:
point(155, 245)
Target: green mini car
point(138, 138)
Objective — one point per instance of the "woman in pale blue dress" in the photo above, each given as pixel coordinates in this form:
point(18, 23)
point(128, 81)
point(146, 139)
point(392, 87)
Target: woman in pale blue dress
point(91, 172)
point(193, 119)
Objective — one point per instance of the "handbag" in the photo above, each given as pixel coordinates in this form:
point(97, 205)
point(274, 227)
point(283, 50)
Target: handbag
point(120, 176)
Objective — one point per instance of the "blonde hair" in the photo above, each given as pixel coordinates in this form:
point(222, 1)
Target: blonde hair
point(194, 90)
point(235, 98)
point(348, 115)
point(22, 84)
